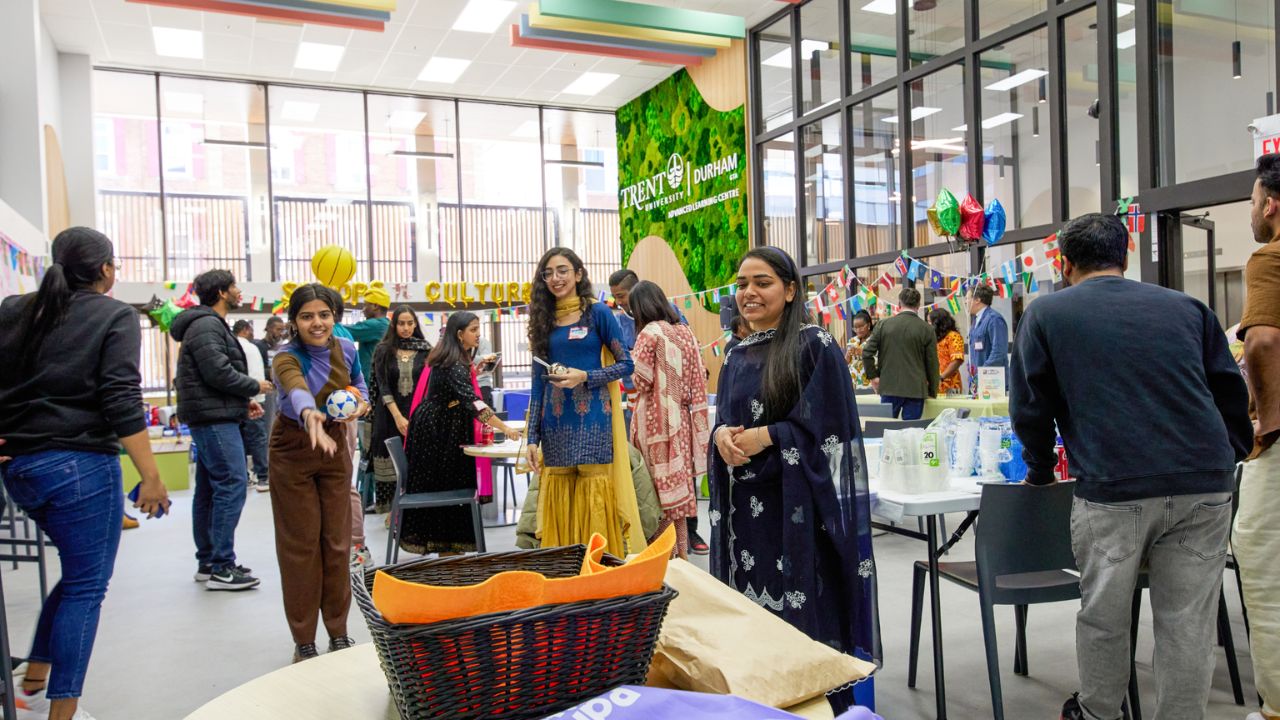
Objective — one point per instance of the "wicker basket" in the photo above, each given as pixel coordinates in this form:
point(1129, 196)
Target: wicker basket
point(521, 664)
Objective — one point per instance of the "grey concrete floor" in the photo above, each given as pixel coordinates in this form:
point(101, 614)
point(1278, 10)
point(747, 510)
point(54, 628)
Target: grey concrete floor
point(166, 645)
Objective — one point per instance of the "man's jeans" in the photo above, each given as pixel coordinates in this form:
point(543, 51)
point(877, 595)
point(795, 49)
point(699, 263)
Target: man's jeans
point(1181, 541)
point(905, 408)
point(77, 499)
point(221, 477)
point(254, 434)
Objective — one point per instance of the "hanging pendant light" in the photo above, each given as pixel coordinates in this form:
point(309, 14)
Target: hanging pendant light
point(1035, 122)
point(1235, 48)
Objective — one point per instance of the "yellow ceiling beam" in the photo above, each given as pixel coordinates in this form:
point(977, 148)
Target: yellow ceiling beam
point(547, 22)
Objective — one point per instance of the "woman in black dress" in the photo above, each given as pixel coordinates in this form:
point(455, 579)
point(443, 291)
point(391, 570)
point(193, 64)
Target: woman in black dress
point(398, 362)
point(439, 427)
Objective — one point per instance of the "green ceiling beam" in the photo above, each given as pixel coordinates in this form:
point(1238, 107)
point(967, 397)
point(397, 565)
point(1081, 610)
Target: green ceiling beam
point(648, 16)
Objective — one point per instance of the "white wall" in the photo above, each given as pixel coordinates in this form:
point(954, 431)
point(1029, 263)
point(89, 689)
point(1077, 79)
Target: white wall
point(75, 72)
point(21, 145)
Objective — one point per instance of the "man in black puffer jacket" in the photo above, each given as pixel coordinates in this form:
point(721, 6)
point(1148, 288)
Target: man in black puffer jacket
point(215, 395)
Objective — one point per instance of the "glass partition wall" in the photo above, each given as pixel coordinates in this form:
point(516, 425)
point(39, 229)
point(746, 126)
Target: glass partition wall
point(1055, 107)
point(194, 173)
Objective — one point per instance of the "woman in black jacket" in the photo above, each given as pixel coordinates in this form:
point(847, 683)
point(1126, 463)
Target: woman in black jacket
point(70, 395)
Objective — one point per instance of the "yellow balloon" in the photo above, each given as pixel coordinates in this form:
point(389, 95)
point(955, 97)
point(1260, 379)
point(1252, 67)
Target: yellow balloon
point(333, 266)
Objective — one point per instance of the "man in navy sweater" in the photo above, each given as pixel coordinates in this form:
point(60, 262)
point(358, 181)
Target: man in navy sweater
point(1153, 411)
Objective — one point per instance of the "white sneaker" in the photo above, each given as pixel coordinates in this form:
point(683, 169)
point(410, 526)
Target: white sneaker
point(30, 706)
point(1255, 716)
point(82, 714)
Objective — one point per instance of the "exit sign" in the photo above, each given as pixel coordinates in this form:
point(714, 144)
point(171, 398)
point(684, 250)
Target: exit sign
point(1266, 135)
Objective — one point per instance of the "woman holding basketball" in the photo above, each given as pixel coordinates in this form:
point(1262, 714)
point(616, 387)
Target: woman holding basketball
point(310, 468)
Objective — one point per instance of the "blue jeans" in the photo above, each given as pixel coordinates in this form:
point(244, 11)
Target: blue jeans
point(905, 408)
point(221, 477)
point(77, 499)
point(254, 435)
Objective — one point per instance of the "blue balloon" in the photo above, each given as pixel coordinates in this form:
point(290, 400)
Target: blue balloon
point(995, 221)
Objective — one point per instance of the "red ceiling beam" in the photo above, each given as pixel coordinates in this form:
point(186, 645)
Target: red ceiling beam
point(517, 40)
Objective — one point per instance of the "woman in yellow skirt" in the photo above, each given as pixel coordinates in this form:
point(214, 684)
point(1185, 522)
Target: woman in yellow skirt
point(577, 437)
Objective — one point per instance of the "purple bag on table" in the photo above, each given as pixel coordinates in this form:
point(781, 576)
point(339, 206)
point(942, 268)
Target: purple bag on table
point(630, 702)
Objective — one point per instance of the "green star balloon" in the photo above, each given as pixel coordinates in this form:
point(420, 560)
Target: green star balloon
point(948, 212)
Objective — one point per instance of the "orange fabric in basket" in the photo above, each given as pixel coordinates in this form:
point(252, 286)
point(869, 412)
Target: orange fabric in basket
point(401, 601)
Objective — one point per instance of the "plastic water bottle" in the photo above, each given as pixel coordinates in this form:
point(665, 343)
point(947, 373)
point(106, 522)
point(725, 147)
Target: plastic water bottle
point(1015, 468)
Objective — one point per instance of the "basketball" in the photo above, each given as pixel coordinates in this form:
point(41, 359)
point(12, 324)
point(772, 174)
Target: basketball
point(341, 405)
point(333, 266)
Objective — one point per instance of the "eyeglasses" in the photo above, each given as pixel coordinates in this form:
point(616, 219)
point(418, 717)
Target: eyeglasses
point(562, 271)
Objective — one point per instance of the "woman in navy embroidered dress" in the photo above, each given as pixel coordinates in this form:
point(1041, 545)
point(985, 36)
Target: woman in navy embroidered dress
point(790, 513)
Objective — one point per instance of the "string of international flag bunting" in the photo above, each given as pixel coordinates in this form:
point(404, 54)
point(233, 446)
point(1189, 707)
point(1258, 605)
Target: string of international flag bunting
point(839, 299)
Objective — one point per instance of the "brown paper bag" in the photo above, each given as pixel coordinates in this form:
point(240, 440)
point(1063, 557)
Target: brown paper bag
point(716, 640)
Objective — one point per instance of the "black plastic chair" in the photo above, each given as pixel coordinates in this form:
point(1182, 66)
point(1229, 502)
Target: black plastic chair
point(1008, 570)
point(413, 501)
point(879, 410)
point(874, 428)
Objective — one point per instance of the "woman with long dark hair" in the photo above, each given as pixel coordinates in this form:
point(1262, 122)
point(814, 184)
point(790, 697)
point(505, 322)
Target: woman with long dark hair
point(447, 413)
point(310, 467)
point(790, 514)
point(398, 363)
point(70, 396)
point(669, 425)
point(577, 436)
point(950, 351)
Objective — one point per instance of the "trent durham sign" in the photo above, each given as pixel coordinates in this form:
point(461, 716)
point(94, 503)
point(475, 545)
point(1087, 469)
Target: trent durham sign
point(679, 186)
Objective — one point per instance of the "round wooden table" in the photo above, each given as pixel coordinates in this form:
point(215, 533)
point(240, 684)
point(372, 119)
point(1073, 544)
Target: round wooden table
point(504, 511)
point(341, 686)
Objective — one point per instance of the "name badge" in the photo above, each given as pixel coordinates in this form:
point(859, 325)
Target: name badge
point(977, 346)
point(577, 333)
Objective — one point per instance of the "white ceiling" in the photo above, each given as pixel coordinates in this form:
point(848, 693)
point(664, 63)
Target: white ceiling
point(118, 34)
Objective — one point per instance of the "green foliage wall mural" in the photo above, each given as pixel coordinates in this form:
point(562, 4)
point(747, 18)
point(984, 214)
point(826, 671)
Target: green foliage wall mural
point(682, 175)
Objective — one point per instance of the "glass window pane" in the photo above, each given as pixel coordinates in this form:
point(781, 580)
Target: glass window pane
point(780, 196)
point(873, 41)
point(996, 16)
point(937, 28)
point(877, 203)
point(1084, 176)
point(1127, 94)
point(215, 172)
point(776, 93)
point(1211, 107)
point(414, 174)
point(319, 178)
point(127, 172)
point(937, 144)
point(1015, 129)
point(819, 53)
point(824, 191)
point(503, 222)
point(582, 186)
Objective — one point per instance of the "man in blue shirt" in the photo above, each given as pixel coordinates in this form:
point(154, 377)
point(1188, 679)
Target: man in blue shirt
point(988, 333)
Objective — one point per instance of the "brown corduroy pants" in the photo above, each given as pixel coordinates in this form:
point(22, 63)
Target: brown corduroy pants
point(310, 501)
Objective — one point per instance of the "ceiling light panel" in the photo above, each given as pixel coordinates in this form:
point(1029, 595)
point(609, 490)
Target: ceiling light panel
point(484, 16)
point(884, 7)
point(917, 113)
point(179, 43)
point(443, 70)
point(318, 56)
point(590, 83)
point(1017, 79)
point(1127, 39)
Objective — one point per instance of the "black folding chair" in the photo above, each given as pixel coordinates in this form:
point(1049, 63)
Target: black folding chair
point(402, 501)
point(1008, 570)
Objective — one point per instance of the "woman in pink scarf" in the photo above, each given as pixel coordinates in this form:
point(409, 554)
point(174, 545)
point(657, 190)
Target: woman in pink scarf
point(670, 424)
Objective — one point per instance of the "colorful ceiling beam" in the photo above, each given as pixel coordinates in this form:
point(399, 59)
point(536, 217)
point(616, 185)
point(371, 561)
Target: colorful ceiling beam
point(654, 17)
point(517, 40)
point(582, 39)
point(370, 15)
point(585, 27)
